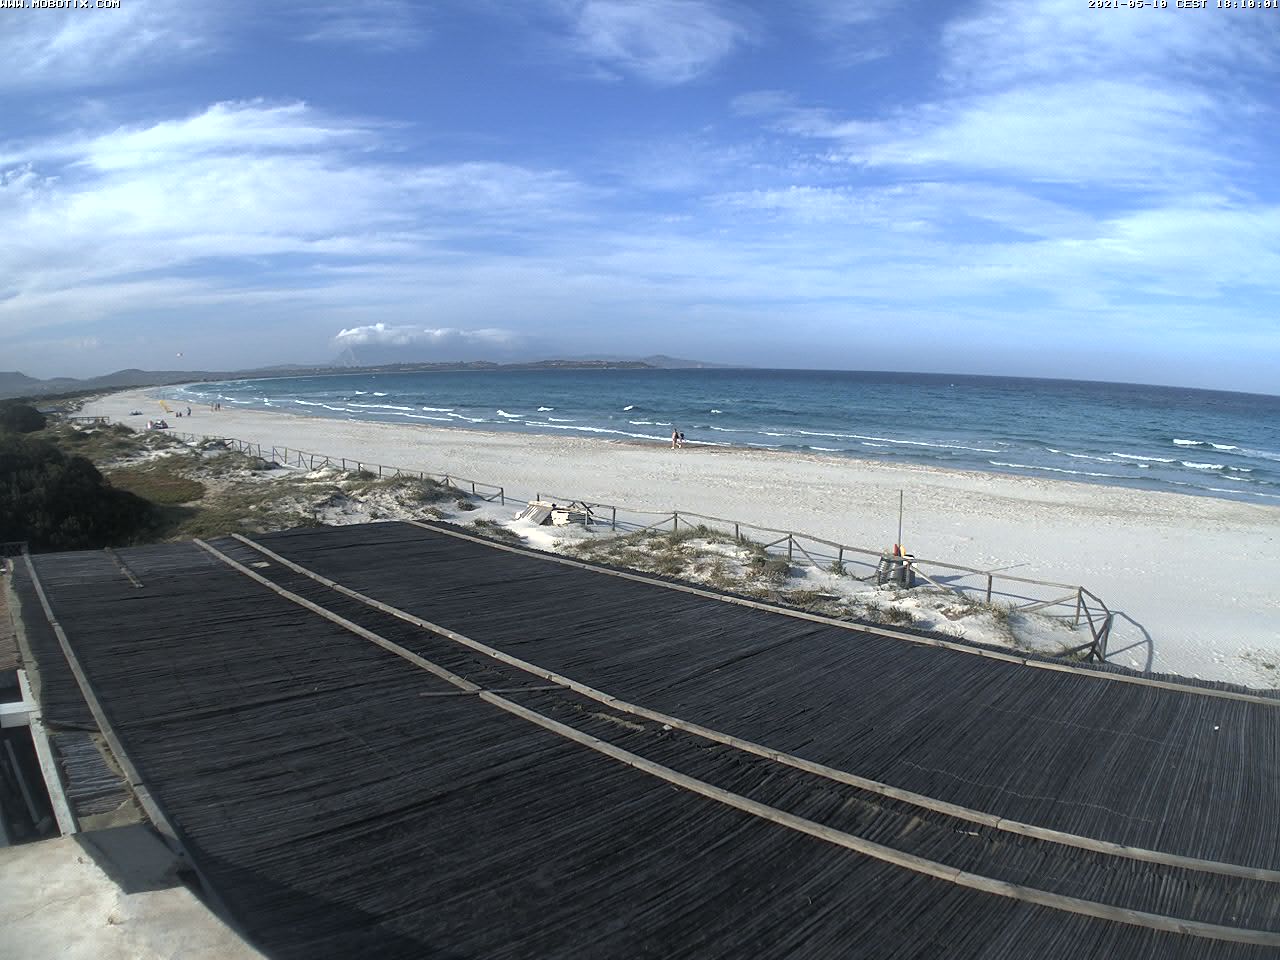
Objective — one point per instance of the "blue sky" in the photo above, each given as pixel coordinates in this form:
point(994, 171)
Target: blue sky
point(1031, 188)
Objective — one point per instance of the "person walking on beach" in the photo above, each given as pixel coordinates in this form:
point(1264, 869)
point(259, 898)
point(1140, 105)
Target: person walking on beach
point(675, 438)
point(680, 439)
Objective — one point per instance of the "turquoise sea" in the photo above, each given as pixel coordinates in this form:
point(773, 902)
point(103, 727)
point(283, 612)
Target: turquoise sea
point(1204, 442)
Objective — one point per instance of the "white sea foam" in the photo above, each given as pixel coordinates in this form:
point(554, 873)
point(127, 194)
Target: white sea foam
point(439, 409)
point(511, 416)
point(459, 416)
point(629, 406)
point(717, 411)
point(378, 393)
point(561, 419)
point(641, 423)
point(1138, 456)
point(1078, 473)
point(545, 409)
point(1224, 446)
point(769, 433)
point(810, 446)
point(1081, 456)
point(1252, 493)
point(617, 433)
point(908, 443)
point(1201, 466)
point(379, 406)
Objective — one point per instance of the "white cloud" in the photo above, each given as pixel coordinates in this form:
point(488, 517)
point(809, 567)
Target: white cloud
point(1005, 42)
point(99, 46)
point(665, 42)
point(376, 24)
point(384, 334)
point(224, 192)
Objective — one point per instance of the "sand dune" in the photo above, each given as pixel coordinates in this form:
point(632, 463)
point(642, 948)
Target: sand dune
point(1192, 578)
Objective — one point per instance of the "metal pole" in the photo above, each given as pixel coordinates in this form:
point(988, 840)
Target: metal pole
point(899, 540)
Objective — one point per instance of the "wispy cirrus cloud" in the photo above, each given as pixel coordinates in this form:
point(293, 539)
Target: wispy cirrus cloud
point(222, 195)
point(385, 25)
point(100, 46)
point(663, 42)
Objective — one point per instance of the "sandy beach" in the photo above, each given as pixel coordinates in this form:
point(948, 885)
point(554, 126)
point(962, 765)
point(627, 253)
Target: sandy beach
point(1192, 579)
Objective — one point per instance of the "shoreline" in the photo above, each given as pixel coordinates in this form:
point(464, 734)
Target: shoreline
point(1189, 575)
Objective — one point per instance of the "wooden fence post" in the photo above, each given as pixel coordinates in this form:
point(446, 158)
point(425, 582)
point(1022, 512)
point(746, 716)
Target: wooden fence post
point(614, 522)
point(675, 521)
point(502, 496)
point(989, 580)
point(791, 540)
point(1079, 604)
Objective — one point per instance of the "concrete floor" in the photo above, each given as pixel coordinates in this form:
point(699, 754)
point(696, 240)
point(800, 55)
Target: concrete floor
point(105, 895)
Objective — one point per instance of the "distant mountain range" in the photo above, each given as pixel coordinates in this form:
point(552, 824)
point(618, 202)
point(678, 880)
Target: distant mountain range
point(15, 384)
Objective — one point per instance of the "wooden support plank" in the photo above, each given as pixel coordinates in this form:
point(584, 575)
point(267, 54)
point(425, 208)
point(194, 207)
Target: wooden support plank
point(783, 818)
point(746, 746)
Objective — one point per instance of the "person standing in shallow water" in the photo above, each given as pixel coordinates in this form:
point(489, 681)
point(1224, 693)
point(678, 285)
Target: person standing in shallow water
point(675, 438)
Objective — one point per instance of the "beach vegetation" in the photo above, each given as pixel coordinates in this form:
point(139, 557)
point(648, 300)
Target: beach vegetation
point(21, 418)
point(462, 503)
point(496, 531)
point(59, 502)
point(161, 481)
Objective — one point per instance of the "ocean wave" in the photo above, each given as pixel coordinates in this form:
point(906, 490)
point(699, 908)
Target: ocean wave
point(909, 443)
point(361, 393)
point(1205, 443)
point(545, 409)
point(616, 433)
point(379, 406)
point(769, 433)
point(1251, 493)
point(511, 416)
point(458, 416)
point(439, 409)
point(1081, 456)
point(641, 423)
point(1138, 456)
point(810, 446)
point(629, 406)
point(561, 419)
point(336, 410)
point(1078, 473)
point(1201, 466)
point(378, 393)
point(717, 411)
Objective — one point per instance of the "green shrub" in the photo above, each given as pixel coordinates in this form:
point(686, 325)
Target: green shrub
point(158, 482)
point(21, 418)
point(56, 502)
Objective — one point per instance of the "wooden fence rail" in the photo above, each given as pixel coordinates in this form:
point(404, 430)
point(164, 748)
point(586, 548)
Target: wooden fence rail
point(1077, 604)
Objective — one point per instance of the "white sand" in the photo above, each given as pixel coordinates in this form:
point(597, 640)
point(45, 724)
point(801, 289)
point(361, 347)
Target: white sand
point(1195, 580)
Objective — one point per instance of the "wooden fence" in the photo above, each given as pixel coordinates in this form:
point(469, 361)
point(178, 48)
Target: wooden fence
point(1069, 602)
point(293, 457)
